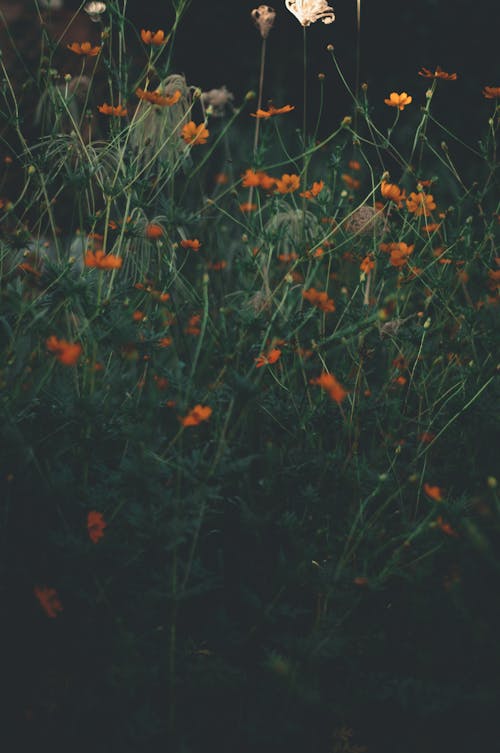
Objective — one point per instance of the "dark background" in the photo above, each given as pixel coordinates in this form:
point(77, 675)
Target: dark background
point(218, 44)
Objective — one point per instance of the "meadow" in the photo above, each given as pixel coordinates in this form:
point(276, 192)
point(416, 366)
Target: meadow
point(249, 404)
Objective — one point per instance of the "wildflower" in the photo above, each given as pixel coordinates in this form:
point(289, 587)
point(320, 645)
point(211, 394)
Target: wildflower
point(350, 182)
point(491, 92)
point(354, 165)
point(420, 203)
point(155, 98)
point(102, 261)
point(319, 299)
point(312, 192)
point(165, 342)
point(267, 183)
point(194, 244)
point(288, 183)
point(194, 134)
point(153, 231)
point(94, 10)
point(84, 48)
point(156, 38)
point(271, 111)
point(193, 325)
point(196, 415)
point(95, 526)
point(427, 437)
point(393, 193)
point(220, 179)
point(367, 264)
point(307, 12)
point(446, 527)
point(438, 73)
point(434, 492)
point(117, 111)
point(138, 316)
point(217, 266)
point(247, 206)
point(251, 179)
point(399, 253)
point(398, 100)
point(216, 100)
point(331, 385)
point(49, 600)
point(271, 357)
point(431, 227)
point(66, 353)
point(264, 17)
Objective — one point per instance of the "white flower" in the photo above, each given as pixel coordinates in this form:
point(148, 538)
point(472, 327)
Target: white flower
point(95, 10)
point(308, 12)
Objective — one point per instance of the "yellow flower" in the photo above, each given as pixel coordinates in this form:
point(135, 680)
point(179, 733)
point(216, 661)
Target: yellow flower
point(398, 100)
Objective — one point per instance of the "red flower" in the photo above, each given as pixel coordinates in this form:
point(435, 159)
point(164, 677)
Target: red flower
point(330, 384)
point(271, 357)
point(196, 415)
point(95, 526)
point(49, 600)
point(66, 353)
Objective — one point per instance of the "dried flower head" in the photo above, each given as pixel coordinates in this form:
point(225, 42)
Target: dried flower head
point(215, 101)
point(264, 17)
point(364, 220)
point(307, 12)
point(94, 10)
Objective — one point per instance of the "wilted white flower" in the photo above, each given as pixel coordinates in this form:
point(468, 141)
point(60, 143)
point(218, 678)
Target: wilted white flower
point(95, 10)
point(263, 17)
point(217, 100)
point(307, 12)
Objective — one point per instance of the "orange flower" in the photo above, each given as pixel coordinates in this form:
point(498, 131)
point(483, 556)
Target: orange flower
point(251, 179)
point(491, 92)
point(272, 111)
point(49, 600)
point(432, 227)
point(155, 98)
point(399, 253)
point(217, 266)
point(434, 492)
point(84, 48)
point(354, 165)
point(165, 342)
point(246, 206)
point(287, 258)
point(392, 192)
point(420, 203)
point(196, 415)
point(193, 325)
point(138, 316)
point(319, 299)
point(195, 134)
point(398, 100)
point(156, 38)
point(330, 384)
point(102, 261)
point(438, 73)
point(446, 527)
point(287, 183)
point(352, 183)
point(95, 526)
point(194, 244)
point(221, 179)
point(271, 357)
point(267, 183)
point(367, 264)
point(118, 111)
point(315, 189)
point(153, 231)
point(66, 353)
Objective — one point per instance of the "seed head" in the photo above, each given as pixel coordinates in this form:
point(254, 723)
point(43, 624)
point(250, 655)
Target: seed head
point(263, 18)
